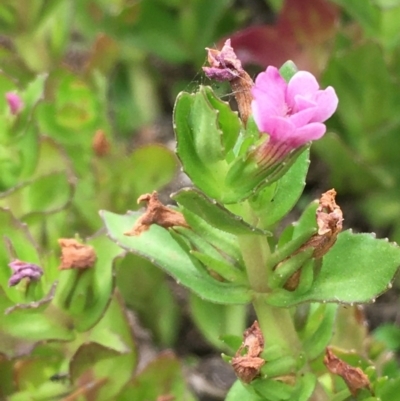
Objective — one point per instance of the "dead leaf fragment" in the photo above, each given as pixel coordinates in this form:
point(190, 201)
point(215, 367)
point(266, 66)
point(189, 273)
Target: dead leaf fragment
point(330, 224)
point(156, 213)
point(225, 66)
point(355, 378)
point(75, 255)
point(247, 367)
point(329, 218)
point(100, 144)
point(253, 340)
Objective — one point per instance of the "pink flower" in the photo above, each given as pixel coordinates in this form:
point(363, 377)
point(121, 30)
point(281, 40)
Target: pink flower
point(23, 270)
point(292, 114)
point(14, 102)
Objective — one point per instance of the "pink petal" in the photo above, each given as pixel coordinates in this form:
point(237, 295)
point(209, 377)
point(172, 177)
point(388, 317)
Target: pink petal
point(302, 83)
point(268, 96)
point(327, 102)
point(303, 117)
point(302, 103)
point(309, 132)
point(279, 129)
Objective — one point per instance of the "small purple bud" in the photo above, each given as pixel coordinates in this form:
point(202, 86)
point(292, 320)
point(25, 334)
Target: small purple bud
point(23, 270)
point(14, 102)
point(224, 65)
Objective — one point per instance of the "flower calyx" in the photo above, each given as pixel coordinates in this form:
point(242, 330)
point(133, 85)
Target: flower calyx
point(156, 213)
point(75, 255)
point(247, 367)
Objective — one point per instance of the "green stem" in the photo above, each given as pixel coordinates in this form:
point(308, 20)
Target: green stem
point(276, 323)
point(235, 318)
point(255, 251)
point(277, 326)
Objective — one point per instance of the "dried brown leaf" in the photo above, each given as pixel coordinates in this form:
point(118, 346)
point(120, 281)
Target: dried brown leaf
point(75, 255)
point(100, 144)
point(329, 218)
point(248, 366)
point(354, 378)
point(156, 213)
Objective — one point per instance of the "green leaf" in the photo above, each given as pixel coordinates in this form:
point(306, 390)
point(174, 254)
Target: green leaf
point(390, 390)
point(214, 213)
point(307, 221)
point(228, 120)
point(357, 269)
point(224, 242)
point(203, 174)
point(287, 70)
point(216, 321)
point(114, 332)
point(22, 330)
point(96, 293)
point(148, 176)
point(37, 306)
point(275, 201)
point(240, 392)
point(160, 248)
point(282, 366)
point(319, 330)
point(304, 387)
point(87, 355)
point(272, 390)
point(162, 376)
point(138, 280)
point(288, 267)
point(49, 188)
point(206, 134)
point(290, 246)
point(388, 334)
point(221, 267)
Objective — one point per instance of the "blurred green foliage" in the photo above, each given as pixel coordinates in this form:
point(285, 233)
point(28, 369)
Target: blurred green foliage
point(362, 153)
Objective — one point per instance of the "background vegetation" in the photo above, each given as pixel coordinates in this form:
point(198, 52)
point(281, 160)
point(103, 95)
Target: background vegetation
point(98, 80)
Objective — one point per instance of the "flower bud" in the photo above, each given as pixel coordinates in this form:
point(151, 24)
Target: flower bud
point(14, 102)
point(23, 270)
